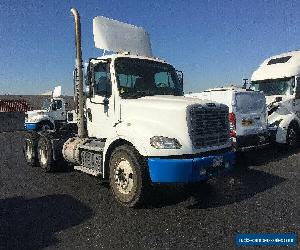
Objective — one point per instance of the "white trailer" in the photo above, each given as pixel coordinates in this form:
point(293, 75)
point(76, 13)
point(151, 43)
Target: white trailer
point(247, 115)
point(279, 78)
point(135, 127)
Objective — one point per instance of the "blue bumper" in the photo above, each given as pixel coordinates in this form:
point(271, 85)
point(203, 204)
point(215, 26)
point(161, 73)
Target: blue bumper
point(164, 170)
point(31, 126)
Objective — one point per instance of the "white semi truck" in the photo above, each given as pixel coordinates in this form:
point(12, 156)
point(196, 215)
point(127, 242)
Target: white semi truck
point(279, 78)
point(135, 127)
point(52, 115)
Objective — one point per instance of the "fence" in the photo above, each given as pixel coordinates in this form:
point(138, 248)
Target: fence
point(13, 106)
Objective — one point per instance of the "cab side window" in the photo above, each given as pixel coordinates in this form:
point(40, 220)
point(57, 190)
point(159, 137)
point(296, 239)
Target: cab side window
point(57, 104)
point(102, 83)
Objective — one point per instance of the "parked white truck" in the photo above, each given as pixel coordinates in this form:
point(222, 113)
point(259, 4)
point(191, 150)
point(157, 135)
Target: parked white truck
point(51, 116)
point(279, 78)
point(135, 128)
point(247, 115)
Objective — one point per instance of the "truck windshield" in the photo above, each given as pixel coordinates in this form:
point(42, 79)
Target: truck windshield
point(282, 86)
point(138, 77)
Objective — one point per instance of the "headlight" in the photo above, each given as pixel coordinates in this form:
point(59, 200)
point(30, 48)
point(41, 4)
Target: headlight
point(161, 142)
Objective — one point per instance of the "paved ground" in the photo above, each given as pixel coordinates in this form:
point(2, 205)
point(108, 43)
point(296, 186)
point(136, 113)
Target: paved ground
point(71, 209)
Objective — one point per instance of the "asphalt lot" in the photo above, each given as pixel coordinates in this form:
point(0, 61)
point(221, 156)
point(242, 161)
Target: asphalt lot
point(72, 209)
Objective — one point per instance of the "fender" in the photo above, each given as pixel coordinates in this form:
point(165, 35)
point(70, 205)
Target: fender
point(111, 141)
point(283, 126)
point(40, 118)
point(140, 148)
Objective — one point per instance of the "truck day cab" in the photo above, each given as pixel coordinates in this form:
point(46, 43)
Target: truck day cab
point(51, 116)
point(135, 128)
point(279, 78)
point(247, 115)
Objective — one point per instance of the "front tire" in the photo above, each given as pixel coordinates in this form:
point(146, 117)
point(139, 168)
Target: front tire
point(45, 153)
point(129, 178)
point(292, 136)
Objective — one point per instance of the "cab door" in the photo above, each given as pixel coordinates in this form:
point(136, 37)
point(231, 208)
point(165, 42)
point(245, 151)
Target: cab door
point(58, 112)
point(100, 103)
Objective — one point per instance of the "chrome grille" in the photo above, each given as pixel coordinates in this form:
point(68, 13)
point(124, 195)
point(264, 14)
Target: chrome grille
point(208, 126)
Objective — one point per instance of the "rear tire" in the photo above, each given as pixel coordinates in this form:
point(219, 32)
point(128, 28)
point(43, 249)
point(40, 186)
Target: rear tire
point(128, 176)
point(45, 153)
point(30, 148)
point(292, 136)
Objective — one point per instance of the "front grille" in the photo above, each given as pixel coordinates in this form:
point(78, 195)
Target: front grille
point(208, 126)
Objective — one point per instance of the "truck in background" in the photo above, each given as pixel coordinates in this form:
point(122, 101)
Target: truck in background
point(135, 127)
point(247, 115)
point(52, 115)
point(279, 78)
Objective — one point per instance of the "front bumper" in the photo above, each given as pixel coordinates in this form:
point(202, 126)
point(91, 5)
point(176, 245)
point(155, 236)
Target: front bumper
point(31, 126)
point(248, 142)
point(166, 170)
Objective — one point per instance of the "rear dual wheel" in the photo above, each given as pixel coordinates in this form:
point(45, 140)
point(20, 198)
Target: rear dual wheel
point(45, 153)
point(38, 150)
point(30, 148)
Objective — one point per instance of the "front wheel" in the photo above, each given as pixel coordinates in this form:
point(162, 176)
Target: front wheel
point(292, 136)
point(129, 178)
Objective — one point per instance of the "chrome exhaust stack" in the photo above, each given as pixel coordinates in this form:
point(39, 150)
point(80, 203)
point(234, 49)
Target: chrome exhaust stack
point(79, 77)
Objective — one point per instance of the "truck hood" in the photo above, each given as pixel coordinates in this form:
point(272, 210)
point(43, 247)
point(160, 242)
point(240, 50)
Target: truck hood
point(161, 116)
point(165, 102)
point(36, 115)
point(36, 112)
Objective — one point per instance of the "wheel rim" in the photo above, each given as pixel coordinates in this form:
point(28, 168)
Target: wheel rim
point(43, 155)
point(123, 174)
point(292, 137)
point(29, 150)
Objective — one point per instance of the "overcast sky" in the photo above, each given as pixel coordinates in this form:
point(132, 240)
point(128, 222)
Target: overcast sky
point(214, 42)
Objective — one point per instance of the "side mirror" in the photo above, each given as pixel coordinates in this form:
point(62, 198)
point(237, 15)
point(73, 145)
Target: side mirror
point(89, 81)
point(88, 91)
point(293, 84)
point(180, 76)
